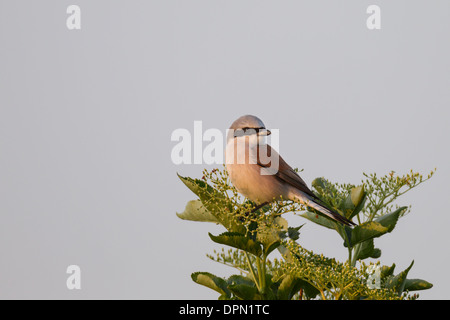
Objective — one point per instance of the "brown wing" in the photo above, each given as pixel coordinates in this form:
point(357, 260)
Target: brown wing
point(286, 174)
point(285, 171)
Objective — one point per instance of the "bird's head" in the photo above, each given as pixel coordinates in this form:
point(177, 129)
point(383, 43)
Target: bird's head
point(249, 128)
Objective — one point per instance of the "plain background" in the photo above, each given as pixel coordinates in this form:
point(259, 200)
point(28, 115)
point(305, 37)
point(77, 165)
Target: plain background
point(86, 117)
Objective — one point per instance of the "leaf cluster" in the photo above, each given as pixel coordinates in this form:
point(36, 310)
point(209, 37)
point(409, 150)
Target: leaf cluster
point(253, 233)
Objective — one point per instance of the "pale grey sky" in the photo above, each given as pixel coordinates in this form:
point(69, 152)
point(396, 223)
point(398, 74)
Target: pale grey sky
point(86, 117)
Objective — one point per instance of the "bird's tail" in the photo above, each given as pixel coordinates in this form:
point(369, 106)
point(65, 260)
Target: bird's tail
point(315, 204)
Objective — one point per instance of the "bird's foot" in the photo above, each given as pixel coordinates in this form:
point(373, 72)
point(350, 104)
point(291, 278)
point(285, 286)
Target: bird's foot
point(259, 207)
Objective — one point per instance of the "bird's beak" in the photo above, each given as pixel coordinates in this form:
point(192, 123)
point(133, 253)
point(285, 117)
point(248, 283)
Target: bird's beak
point(264, 132)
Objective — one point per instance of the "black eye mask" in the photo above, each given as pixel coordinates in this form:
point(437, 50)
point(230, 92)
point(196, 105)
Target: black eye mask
point(248, 131)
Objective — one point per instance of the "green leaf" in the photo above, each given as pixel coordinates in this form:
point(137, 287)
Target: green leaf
point(387, 271)
point(270, 236)
point(320, 184)
point(373, 229)
point(286, 253)
point(195, 211)
point(215, 202)
point(270, 247)
point(357, 194)
point(346, 234)
point(308, 289)
point(367, 250)
point(354, 202)
point(197, 186)
point(239, 241)
point(281, 223)
point(293, 232)
point(390, 220)
point(291, 285)
point(271, 288)
point(287, 287)
point(367, 230)
point(239, 279)
point(397, 283)
point(211, 281)
point(417, 284)
point(244, 291)
point(319, 219)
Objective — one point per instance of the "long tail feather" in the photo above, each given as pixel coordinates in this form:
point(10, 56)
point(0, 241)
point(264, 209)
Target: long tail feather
point(313, 203)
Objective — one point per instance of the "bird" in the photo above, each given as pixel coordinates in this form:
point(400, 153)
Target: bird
point(262, 181)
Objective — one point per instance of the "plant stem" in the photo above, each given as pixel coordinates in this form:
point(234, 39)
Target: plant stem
point(349, 248)
point(255, 279)
point(322, 294)
point(357, 249)
point(261, 274)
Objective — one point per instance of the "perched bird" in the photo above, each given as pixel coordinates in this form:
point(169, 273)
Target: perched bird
point(260, 173)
